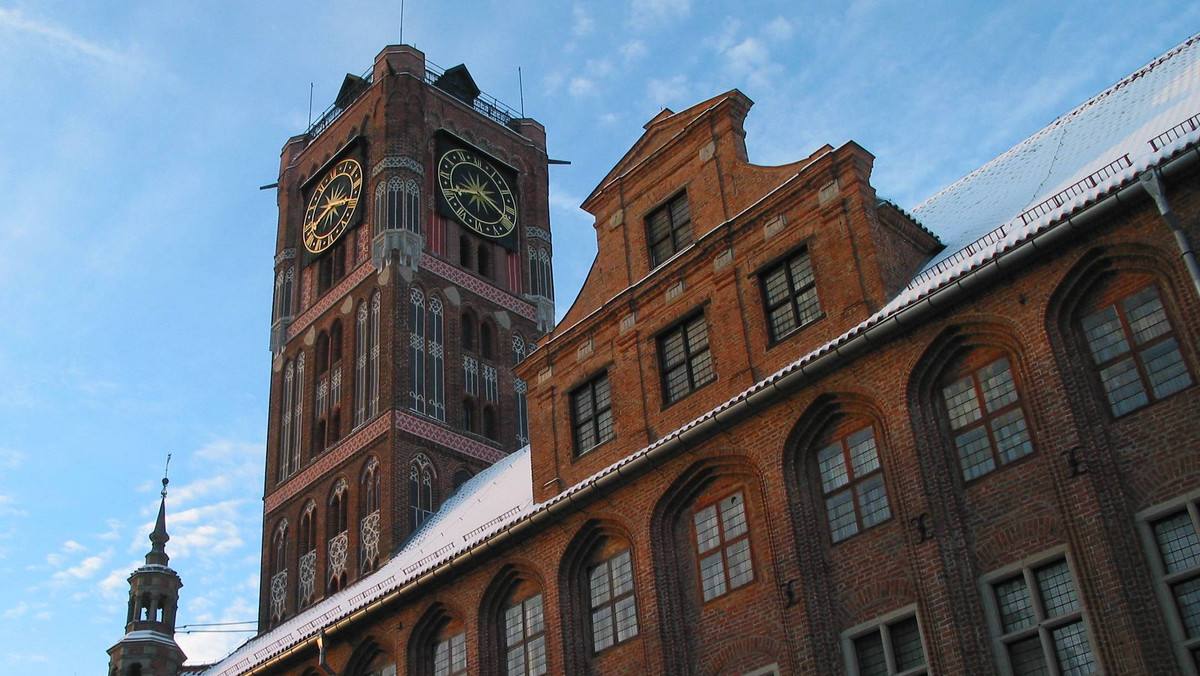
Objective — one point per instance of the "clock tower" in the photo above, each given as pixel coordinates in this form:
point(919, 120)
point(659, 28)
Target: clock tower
point(412, 272)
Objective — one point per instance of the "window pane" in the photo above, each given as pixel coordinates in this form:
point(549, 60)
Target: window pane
point(1016, 608)
point(997, 383)
point(598, 584)
point(868, 652)
point(1012, 437)
point(1026, 657)
point(1177, 542)
point(626, 618)
point(516, 661)
point(1057, 589)
point(776, 284)
point(441, 659)
point(740, 569)
point(974, 453)
point(733, 516)
point(906, 644)
point(1187, 597)
point(702, 369)
point(832, 464)
point(872, 501)
point(707, 533)
point(534, 623)
point(1104, 335)
point(1072, 650)
point(458, 653)
point(672, 349)
point(783, 320)
point(622, 573)
point(840, 509)
point(807, 305)
point(863, 456)
point(1124, 388)
point(962, 403)
point(1146, 315)
point(801, 270)
point(537, 656)
point(1164, 367)
point(712, 576)
point(602, 628)
point(514, 630)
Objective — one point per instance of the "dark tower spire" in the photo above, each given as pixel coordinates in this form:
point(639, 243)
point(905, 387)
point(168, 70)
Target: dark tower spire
point(149, 648)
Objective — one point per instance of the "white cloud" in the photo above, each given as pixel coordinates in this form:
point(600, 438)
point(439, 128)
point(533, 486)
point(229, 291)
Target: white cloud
point(85, 570)
point(778, 30)
point(632, 51)
point(581, 86)
point(72, 546)
point(583, 21)
point(113, 532)
point(10, 459)
point(208, 647)
point(650, 13)
point(7, 509)
point(16, 611)
point(114, 585)
point(60, 38)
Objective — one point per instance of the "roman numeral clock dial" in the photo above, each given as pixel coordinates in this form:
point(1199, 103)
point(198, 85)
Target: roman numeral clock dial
point(332, 205)
point(477, 193)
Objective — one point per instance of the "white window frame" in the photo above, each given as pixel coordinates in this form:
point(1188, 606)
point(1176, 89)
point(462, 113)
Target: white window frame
point(886, 620)
point(1189, 501)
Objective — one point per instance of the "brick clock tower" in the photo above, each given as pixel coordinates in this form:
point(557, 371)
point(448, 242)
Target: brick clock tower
point(412, 271)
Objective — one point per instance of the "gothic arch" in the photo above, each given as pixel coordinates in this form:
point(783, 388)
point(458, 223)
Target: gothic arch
point(598, 541)
point(514, 583)
point(368, 659)
point(438, 624)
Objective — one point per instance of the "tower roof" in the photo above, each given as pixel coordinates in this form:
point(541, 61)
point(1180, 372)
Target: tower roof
point(158, 537)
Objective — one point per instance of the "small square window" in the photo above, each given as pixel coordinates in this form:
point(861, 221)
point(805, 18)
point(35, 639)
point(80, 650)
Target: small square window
point(668, 229)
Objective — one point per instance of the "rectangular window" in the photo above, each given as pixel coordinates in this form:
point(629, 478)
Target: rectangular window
point(591, 414)
point(1176, 566)
point(852, 483)
point(723, 546)
point(613, 611)
point(1134, 350)
point(986, 419)
point(789, 291)
point(685, 359)
point(450, 656)
point(525, 638)
point(1039, 623)
point(889, 647)
point(668, 229)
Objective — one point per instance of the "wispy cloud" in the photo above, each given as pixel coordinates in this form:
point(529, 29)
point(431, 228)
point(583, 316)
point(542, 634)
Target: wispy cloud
point(646, 14)
point(61, 38)
point(84, 570)
point(583, 23)
point(10, 459)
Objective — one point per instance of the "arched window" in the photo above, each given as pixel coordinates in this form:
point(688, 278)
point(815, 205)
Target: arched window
point(541, 281)
point(467, 330)
point(487, 348)
point(437, 369)
point(278, 567)
point(981, 401)
point(491, 428)
point(282, 306)
point(438, 645)
point(338, 535)
point(289, 423)
point(369, 525)
point(514, 610)
point(599, 571)
point(397, 205)
point(851, 478)
point(328, 397)
point(416, 350)
point(468, 415)
point(522, 405)
point(412, 207)
point(420, 489)
point(307, 540)
point(1131, 343)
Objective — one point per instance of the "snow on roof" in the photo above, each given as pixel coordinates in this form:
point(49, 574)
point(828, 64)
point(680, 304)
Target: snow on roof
point(1079, 158)
point(485, 505)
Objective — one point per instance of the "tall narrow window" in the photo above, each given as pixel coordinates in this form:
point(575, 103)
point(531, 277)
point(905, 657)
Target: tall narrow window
point(338, 535)
point(669, 229)
point(288, 424)
point(522, 405)
point(420, 490)
point(722, 545)
point(1134, 349)
point(470, 375)
point(278, 566)
point(306, 590)
point(790, 293)
point(1040, 622)
point(373, 357)
point(541, 275)
point(450, 655)
point(684, 358)
point(1177, 569)
point(397, 205)
point(328, 396)
point(416, 351)
point(525, 637)
point(282, 307)
point(987, 422)
point(436, 375)
point(483, 258)
point(591, 414)
point(412, 207)
point(852, 483)
point(361, 341)
point(613, 609)
point(369, 525)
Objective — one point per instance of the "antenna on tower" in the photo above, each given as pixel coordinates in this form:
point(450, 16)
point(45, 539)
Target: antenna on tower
point(521, 88)
point(401, 21)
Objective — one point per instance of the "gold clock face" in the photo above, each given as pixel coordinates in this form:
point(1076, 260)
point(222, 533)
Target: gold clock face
point(477, 193)
point(332, 205)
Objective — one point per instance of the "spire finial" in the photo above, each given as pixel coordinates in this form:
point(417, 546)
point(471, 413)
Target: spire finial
point(159, 537)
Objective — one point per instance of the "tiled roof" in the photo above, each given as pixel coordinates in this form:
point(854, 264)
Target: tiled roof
point(1078, 159)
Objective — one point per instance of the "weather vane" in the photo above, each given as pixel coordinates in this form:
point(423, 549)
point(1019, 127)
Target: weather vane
point(165, 480)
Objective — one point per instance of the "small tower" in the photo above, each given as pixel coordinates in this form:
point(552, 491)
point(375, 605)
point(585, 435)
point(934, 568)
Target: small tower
point(149, 648)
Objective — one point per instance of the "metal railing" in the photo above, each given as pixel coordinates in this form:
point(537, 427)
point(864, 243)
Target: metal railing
point(484, 104)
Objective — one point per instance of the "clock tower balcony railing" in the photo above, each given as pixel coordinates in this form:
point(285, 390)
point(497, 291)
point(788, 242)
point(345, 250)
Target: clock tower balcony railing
point(545, 311)
point(407, 244)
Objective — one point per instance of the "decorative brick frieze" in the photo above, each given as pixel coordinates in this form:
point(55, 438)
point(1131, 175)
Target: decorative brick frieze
point(329, 299)
point(349, 446)
point(479, 287)
point(429, 431)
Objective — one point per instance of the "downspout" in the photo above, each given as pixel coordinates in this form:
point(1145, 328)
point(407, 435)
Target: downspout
point(1152, 182)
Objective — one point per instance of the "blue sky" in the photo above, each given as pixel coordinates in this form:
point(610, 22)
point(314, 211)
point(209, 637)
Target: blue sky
point(136, 248)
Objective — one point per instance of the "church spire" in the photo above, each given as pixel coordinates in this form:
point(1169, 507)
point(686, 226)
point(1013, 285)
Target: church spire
point(158, 537)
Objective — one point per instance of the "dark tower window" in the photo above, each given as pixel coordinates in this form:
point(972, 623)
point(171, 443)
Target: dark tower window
point(464, 251)
point(484, 259)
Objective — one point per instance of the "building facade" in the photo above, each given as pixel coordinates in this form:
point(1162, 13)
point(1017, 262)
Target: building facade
point(787, 427)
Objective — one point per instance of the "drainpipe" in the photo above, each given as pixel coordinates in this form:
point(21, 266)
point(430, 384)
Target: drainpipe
point(1152, 182)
